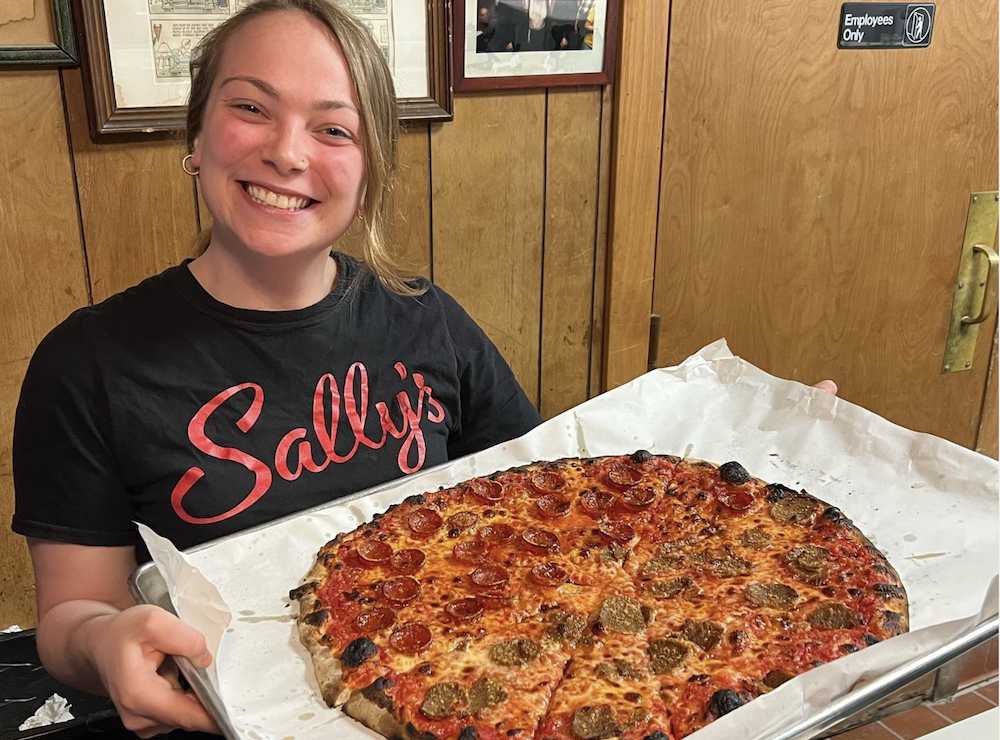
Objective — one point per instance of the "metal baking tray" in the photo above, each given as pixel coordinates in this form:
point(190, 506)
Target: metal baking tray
point(933, 675)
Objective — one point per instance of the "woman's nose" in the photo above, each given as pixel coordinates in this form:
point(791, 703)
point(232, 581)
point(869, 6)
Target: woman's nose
point(286, 151)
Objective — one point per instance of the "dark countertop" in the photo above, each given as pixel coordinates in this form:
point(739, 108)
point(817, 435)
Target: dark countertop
point(24, 687)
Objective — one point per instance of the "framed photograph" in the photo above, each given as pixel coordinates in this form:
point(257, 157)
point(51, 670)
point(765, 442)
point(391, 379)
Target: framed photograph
point(135, 54)
point(36, 35)
point(506, 44)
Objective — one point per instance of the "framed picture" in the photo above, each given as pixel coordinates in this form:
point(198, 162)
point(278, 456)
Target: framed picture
point(36, 35)
point(505, 44)
point(135, 54)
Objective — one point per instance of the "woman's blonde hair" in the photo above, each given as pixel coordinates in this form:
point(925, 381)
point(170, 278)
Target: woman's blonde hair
point(376, 96)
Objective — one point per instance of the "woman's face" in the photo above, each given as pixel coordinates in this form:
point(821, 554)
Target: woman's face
point(280, 150)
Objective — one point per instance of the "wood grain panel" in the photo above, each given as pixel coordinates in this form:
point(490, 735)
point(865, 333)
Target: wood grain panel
point(487, 194)
point(600, 287)
point(42, 282)
point(813, 200)
point(410, 229)
point(27, 22)
point(571, 196)
point(137, 205)
point(635, 183)
point(987, 441)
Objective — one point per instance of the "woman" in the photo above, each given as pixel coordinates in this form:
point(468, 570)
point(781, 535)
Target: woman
point(264, 377)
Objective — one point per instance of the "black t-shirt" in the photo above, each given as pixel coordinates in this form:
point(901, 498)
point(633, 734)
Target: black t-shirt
point(165, 406)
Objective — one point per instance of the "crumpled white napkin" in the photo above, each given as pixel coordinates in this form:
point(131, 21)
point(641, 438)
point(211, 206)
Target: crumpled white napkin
point(55, 709)
point(11, 629)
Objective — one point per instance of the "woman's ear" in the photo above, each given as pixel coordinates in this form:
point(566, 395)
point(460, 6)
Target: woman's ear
point(196, 153)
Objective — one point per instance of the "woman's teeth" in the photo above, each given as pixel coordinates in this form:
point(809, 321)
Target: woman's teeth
point(281, 202)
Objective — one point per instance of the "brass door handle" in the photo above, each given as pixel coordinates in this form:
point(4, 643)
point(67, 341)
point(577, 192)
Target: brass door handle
point(991, 276)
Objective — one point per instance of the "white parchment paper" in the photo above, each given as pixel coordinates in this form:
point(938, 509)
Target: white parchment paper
point(929, 505)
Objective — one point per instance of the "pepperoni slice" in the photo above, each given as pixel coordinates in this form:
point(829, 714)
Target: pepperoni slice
point(549, 574)
point(374, 552)
point(464, 610)
point(736, 498)
point(540, 538)
point(410, 638)
point(407, 562)
point(623, 475)
point(401, 589)
point(462, 520)
point(616, 530)
point(597, 503)
point(424, 521)
point(497, 534)
point(553, 505)
point(486, 490)
point(492, 600)
point(490, 576)
point(639, 497)
point(471, 552)
point(375, 619)
point(547, 481)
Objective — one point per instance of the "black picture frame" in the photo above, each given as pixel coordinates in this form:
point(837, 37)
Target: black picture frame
point(47, 55)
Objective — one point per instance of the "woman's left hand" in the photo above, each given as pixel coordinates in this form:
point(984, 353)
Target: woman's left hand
point(827, 385)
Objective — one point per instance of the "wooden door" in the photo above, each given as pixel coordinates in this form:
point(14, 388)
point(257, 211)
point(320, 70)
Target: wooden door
point(813, 200)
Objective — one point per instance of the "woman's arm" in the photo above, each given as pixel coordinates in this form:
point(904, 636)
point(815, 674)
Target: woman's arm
point(92, 636)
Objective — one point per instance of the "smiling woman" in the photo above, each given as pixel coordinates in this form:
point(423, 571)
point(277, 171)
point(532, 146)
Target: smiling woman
point(197, 401)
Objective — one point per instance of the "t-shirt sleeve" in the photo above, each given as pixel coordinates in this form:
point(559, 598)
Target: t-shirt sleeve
point(494, 408)
point(66, 486)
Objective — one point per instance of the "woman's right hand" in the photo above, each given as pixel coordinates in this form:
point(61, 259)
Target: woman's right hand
point(130, 652)
point(92, 636)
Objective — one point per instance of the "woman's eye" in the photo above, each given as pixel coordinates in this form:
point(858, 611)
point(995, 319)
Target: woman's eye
point(337, 133)
point(248, 107)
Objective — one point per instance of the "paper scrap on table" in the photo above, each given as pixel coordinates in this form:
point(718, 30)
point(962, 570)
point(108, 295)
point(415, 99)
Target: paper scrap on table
point(54, 710)
point(196, 600)
point(13, 628)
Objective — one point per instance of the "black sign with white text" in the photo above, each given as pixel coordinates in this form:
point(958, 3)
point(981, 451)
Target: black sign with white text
point(885, 25)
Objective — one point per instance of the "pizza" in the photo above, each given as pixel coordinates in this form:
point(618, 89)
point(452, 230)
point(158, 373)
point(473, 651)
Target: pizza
point(635, 596)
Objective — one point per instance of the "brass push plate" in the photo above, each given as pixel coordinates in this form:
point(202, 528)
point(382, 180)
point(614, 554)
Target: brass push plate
point(971, 284)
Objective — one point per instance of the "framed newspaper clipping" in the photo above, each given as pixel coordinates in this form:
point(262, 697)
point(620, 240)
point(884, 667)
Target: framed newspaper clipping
point(135, 53)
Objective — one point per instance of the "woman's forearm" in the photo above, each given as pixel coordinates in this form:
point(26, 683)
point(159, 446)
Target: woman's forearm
point(65, 639)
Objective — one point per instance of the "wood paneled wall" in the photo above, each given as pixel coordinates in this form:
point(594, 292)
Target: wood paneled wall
point(505, 207)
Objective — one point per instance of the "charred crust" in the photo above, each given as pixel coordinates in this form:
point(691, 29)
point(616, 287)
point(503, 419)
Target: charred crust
point(874, 551)
point(725, 701)
point(317, 618)
point(414, 734)
point(641, 456)
point(297, 593)
point(888, 591)
point(870, 639)
point(733, 472)
point(776, 492)
point(657, 735)
point(468, 733)
point(415, 500)
point(892, 622)
point(358, 651)
point(377, 693)
point(835, 516)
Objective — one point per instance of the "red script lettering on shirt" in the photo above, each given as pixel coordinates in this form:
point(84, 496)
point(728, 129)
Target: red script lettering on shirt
point(356, 410)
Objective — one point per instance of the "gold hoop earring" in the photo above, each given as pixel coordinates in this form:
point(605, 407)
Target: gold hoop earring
point(184, 166)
